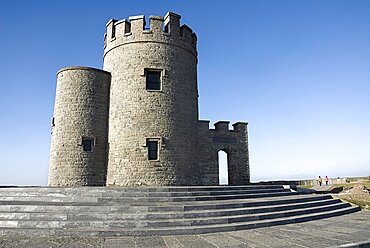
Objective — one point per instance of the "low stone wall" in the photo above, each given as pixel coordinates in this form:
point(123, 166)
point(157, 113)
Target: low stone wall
point(314, 182)
point(308, 182)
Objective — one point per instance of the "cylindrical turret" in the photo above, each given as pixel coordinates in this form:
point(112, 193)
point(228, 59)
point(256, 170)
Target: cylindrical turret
point(80, 128)
point(153, 102)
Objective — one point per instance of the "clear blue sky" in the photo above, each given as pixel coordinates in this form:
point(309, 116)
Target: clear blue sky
point(297, 71)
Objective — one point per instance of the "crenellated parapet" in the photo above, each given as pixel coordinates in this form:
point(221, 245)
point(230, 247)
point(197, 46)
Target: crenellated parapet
point(223, 126)
point(222, 137)
point(165, 29)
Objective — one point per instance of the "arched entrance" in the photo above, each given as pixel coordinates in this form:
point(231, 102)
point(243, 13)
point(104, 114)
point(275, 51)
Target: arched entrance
point(223, 171)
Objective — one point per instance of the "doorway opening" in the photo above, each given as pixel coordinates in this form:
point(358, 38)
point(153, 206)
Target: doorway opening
point(223, 172)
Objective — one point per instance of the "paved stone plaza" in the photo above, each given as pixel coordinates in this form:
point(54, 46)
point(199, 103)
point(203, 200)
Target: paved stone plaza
point(351, 230)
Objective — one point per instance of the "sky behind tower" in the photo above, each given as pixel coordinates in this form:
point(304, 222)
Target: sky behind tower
point(297, 71)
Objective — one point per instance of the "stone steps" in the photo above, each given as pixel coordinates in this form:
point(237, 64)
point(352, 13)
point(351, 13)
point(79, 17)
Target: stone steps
point(138, 199)
point(144, 194)
point(184, 230)
point(265, 204)
point(256, 202)
point(63, 221)
point(116, 191)
point(159, 206)
point(137, 211)
point(144, 214)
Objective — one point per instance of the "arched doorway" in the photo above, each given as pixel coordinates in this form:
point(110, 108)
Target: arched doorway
point(223, 171)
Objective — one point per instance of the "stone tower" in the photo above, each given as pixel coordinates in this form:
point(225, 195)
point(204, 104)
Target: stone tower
point(154, 101)
point(80, 128)
point(136, 122)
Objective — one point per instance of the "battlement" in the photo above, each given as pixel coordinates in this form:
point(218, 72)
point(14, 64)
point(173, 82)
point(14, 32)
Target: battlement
point(161, 29)
point(240, 126)
point(223, 126)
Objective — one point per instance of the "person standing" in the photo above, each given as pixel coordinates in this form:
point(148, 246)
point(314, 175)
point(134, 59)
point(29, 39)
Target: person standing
point(320, 181)
point(326, 180)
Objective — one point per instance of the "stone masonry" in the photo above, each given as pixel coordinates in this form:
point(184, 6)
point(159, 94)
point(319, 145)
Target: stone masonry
point(136, 122)
point(81, 110)
point(233, 142)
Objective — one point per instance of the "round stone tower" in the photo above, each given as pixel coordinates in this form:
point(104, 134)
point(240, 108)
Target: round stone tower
point(80, 128)
point(153, 102)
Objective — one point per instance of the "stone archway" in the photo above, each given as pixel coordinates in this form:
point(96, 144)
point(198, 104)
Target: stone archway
point(223, 167)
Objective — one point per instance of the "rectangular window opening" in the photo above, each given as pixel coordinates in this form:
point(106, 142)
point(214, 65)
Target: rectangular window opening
point(166, 30)
point(153, 79)
point(105, 40)
point(153, 149)
point(87, 144)
point(113, 32)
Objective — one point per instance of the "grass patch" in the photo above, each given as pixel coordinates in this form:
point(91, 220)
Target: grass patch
point(359, 198)
point(363, 204)
point(350, 185)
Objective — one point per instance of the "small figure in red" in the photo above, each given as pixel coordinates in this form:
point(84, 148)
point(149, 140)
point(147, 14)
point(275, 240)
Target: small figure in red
point(326, 180)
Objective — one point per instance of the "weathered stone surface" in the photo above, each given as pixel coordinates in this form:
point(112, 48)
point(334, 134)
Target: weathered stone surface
point(137, 114)
point(233, 142)
point(81, 110)
point(115, 109)
point(130, 211)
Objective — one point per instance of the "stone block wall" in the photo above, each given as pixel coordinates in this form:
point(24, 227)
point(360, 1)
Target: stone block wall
point(81, 111)
point(169, 115)
point(233, 142)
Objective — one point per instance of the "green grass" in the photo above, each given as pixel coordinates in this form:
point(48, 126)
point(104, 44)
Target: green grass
point(363, 204)
point(350, 185)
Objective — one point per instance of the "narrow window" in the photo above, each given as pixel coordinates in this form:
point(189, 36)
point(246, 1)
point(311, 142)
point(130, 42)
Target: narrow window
point(153, 149)
point(113, 31)
point(87, 144)
point(153, 80)
point(166, 30)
